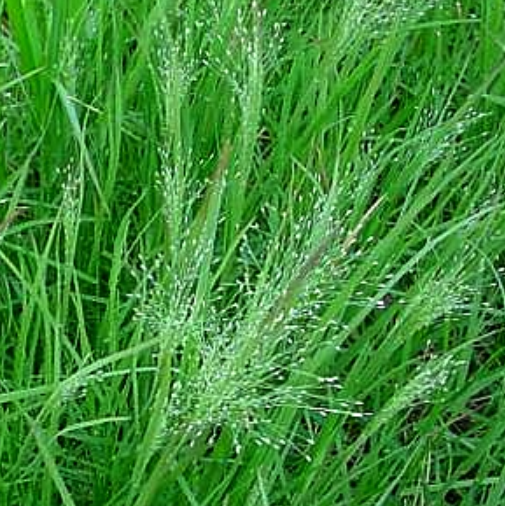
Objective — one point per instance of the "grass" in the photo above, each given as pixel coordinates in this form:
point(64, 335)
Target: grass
point(252, 253)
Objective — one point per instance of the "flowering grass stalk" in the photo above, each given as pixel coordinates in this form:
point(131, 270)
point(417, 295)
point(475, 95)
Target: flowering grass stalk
point(251, 254)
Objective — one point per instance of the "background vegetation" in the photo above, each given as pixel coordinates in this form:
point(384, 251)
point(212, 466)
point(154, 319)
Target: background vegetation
point(252, 253)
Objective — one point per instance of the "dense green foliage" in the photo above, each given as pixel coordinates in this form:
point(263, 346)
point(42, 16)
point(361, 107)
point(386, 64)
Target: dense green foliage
point(252, 253)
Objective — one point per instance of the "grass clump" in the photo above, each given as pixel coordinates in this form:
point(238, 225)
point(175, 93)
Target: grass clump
point(251, 254)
